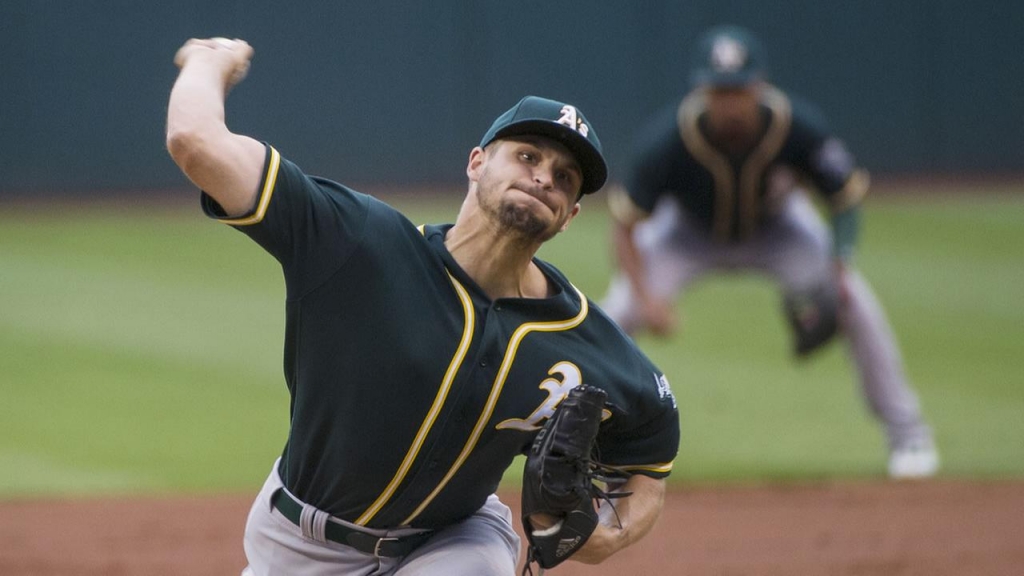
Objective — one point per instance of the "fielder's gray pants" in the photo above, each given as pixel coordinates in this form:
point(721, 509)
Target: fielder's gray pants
point(795, 249)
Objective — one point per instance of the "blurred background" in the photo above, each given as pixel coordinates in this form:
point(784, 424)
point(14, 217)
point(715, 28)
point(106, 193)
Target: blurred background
point(140, 344)
point(396, 93)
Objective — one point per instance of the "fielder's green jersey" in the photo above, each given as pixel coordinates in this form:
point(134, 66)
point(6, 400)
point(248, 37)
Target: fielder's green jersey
point(411, 390)
point(731, 195)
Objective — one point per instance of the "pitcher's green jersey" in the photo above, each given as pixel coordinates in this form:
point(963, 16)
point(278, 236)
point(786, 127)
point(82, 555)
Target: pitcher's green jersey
point(411, 390)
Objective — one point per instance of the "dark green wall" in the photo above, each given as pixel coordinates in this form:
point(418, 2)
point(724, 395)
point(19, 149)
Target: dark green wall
point(398, 92)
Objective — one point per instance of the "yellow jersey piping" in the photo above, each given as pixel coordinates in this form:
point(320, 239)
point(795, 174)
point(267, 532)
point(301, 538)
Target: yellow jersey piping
point(623, 209)
point(265, 194)
point(435, 408)
point(662, 468)
point(853, 191)
point(496, 387)
point(716, 163)
point(761, 156)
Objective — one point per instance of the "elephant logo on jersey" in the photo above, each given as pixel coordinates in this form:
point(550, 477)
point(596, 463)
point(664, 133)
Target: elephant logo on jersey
point(664, 390)
point(571, 118)
point(557, 390)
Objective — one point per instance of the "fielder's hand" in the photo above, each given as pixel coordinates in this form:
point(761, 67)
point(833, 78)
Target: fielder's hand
point(232, 56)
point(658, 316)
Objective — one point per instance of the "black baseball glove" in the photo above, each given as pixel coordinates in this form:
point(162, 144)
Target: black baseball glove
point(558, 479)
point(813, 316)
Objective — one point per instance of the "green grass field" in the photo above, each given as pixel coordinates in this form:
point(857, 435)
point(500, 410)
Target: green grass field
point(141, 350)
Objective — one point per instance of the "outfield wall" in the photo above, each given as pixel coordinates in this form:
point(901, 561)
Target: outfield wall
point(396, 93)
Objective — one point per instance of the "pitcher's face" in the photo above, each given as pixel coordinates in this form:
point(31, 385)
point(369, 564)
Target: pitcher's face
point(528, 184)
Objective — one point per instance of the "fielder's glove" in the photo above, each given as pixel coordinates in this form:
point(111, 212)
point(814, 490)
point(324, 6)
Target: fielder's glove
point(813, 316)
point(558, 479)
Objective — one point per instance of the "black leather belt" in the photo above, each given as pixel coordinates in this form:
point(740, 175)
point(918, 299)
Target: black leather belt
point(386, 547)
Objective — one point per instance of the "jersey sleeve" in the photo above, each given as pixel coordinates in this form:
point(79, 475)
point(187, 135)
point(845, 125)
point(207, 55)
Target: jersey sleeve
point(824, 158)
point(642, 435)
point(649, 167)
point(310, 225)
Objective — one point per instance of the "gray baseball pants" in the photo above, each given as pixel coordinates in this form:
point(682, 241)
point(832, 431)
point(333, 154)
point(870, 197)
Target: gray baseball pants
point(485, 544)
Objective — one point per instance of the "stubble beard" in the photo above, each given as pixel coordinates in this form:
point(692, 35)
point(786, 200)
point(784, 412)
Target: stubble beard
point(514, 219)
point(519, 221)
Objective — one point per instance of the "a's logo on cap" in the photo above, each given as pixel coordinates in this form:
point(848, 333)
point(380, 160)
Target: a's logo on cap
point(571, 118)
point(728, 54)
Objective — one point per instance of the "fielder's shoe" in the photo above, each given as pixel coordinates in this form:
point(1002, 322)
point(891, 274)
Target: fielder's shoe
point(914, 460)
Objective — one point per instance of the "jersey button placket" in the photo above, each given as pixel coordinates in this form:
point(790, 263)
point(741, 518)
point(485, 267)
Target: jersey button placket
point(484, 362)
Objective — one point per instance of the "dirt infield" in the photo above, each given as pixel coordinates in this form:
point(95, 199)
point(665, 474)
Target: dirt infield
point(934, 528)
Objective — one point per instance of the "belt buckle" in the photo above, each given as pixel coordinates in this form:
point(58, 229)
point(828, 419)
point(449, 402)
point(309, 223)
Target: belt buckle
point(376, 547)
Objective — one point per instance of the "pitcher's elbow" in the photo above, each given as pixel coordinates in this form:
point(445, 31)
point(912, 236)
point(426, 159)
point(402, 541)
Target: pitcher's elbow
point(184, 146)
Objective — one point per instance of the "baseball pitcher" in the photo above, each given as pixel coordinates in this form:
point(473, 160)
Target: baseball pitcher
point(421, 360)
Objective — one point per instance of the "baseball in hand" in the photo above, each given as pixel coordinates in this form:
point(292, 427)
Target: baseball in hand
point(237, 47)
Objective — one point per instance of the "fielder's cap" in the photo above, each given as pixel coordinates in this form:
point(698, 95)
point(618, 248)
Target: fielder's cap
point(561, 122)
point(728, 57)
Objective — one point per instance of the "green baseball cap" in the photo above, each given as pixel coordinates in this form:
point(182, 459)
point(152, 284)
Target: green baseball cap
point(728, 57)
point(559, 121)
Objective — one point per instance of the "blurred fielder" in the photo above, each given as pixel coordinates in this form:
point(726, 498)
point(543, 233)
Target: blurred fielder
point(717, 184)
